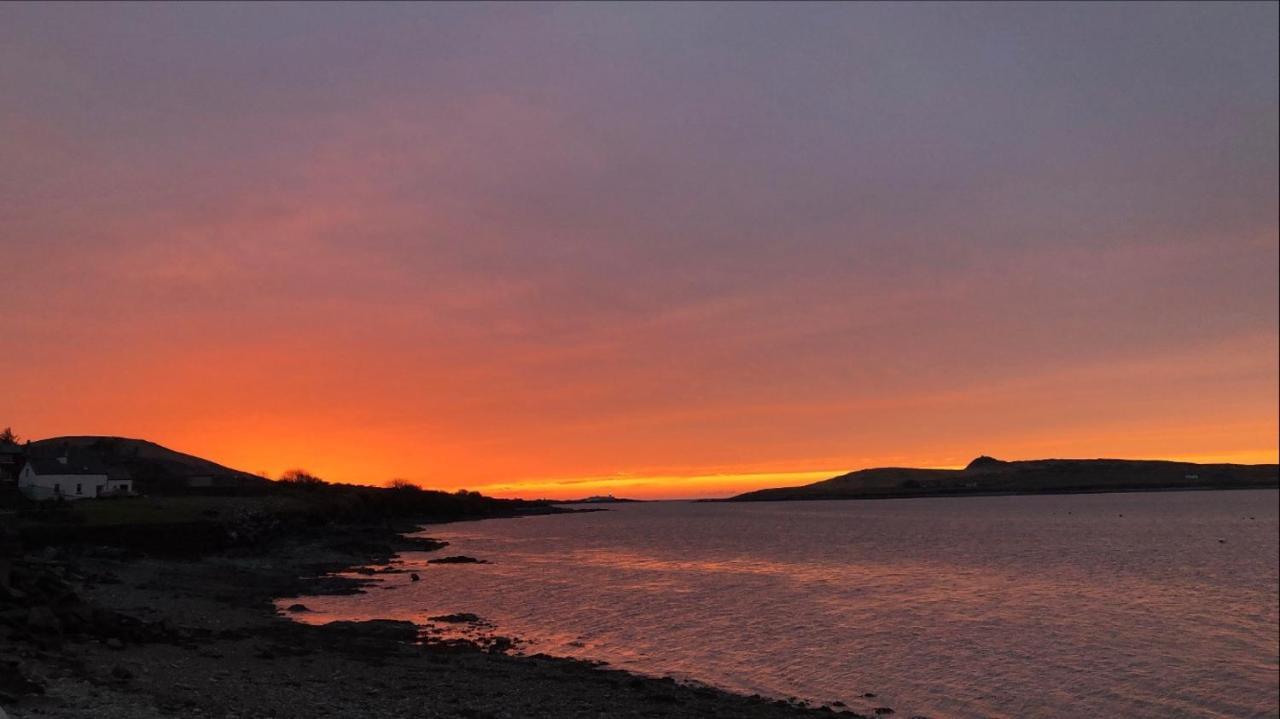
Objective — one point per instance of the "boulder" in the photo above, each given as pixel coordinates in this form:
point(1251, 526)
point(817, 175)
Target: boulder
point(389, 630)
point(457, 618)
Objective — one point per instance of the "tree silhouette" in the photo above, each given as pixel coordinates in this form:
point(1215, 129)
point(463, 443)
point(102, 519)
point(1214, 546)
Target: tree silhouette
point(301, 478)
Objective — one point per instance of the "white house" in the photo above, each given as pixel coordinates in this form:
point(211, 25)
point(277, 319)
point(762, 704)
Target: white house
point(69, 476)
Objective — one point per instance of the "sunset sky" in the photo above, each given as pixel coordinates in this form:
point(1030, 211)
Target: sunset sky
point(655, 250)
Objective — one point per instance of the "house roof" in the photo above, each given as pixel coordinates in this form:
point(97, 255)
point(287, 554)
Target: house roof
point(77, 463)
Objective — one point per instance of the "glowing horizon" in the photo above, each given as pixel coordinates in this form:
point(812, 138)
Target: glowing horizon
point(677, 250)
point(712, 485)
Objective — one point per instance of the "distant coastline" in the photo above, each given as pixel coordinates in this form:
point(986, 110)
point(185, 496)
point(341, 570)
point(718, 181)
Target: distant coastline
point(987, 476)
point(602, 499)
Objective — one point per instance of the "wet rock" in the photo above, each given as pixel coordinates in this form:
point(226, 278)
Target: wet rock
point(332, 585)
point(882, 711)
point(501, 645)
point(457, 618)
point(120, 673)
point(114, 643)
point(380, 629)
point(414, 577)
point(457, 559)
point(421, 544)
point(297, 608)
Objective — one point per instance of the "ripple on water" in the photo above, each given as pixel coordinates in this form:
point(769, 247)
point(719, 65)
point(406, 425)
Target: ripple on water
point(974, 607)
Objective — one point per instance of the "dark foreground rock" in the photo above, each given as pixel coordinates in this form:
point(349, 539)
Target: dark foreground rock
point(135, 637)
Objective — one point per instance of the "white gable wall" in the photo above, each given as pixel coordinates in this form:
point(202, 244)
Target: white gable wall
point(68, 486)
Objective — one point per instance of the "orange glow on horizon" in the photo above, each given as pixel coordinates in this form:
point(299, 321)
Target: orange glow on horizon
point(258, 414)
point(560, 259)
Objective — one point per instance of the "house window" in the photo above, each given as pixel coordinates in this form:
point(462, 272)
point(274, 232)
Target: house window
point(57, 488)
point(78, 491)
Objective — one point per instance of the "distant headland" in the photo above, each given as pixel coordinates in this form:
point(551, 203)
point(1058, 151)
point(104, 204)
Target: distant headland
point(595, 499)
point(987, 475)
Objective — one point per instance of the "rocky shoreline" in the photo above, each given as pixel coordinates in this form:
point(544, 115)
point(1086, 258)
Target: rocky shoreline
point(104, 633)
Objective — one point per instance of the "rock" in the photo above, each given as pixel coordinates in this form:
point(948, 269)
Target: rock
point(42, 620)
point(868, 695)
point(114, 643)
point(14, 681)
point(121, 673)
point(422, 544)
point(456, 559)
point(414, 577)
point(457, 618)
point(379, 629)
point(882, 711)
point(297, 608)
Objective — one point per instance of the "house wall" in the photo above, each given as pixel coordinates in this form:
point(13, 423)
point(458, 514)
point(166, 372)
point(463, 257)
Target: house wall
point(118, 486)
point(48, 486)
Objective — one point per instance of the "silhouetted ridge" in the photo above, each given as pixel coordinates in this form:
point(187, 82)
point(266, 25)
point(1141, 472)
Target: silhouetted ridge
point(154, 468)
point(988, 475)
point(985, 462)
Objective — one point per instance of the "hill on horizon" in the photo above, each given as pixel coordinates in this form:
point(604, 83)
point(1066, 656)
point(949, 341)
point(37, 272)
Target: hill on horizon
point(988, 475)
point(154, 467)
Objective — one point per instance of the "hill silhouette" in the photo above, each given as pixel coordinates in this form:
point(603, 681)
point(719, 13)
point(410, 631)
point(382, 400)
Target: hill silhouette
point(987, 475)
point(153, 467)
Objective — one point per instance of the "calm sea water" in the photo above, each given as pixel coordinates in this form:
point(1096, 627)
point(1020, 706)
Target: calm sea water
point(1128, 605)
